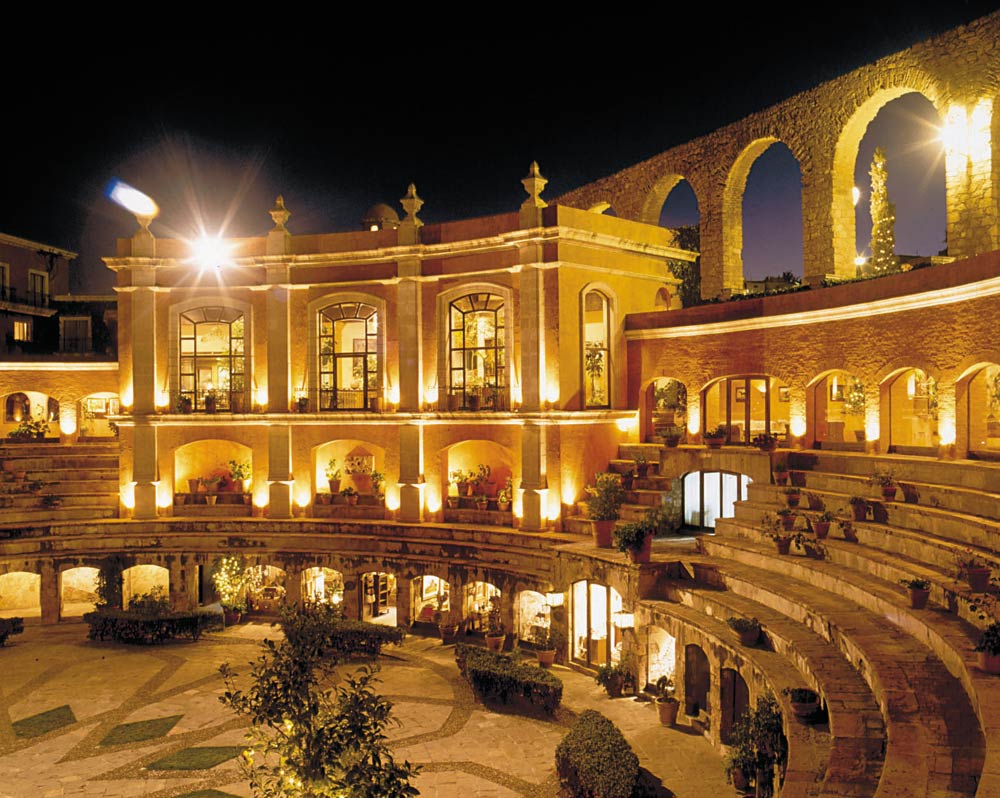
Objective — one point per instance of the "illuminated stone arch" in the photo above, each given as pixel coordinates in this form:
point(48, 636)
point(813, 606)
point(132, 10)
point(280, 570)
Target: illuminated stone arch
point(207, 458)
point(20, 594)
point(977, 400)
point(467, 455)
point(845, 156)
point(831, 411)
point(657, 195)
point(348, 452)
point(732, 207)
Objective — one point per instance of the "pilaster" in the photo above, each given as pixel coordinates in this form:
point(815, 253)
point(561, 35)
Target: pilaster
point(534, 480)
point(278, 370)
point(279, 470)
point(49, 594)
point(145, 471)
point(411, 446)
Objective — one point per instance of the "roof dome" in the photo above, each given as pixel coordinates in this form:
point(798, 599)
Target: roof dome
point(379, 217)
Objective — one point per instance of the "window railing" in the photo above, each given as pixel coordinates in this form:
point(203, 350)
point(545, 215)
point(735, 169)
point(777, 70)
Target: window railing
point(37, 299)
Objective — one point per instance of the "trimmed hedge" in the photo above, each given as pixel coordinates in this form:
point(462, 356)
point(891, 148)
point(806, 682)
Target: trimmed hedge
point(321, 630)
point(498, 677)
point(595, 761)
point(10, 626)
point(361, 637)
point(123, 626)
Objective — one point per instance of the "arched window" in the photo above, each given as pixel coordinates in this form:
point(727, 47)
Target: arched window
point(478, 362)
point(213, 358)
point(348, 357)
point(596, 350)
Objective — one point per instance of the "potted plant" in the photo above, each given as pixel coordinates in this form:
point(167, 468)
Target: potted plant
point(859, 506)
point(780, 472)
point(333, 476)
point(504, 496)
point(378, 479)
point(747, 629)
point(481, 481)
point(184, 404)
point(641, 467)
point(792, 496)
point(670, 400)
point(611, 678)
point(821, 524)
point(239, 475)
point(482, 503)
point(474, 394)
point(920, 590)
point(549, 640)
point(360, 471)
point(461, 480)
point(787, 516)
point(496, 633)
point(666, 704)
point(453, 502)
point(603, 503)
point(975, 570)
point(988, 649)
point(715, 437)
point(302, 402)
point(765, 441)
point(51, 501)
point(350, 494)
point(847, 528)
point(211, 399)
point(884, 480)
point(635, 539)
point(804, 701)
point(814, 501)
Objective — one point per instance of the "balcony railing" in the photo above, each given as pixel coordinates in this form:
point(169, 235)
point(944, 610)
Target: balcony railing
point(37, 299)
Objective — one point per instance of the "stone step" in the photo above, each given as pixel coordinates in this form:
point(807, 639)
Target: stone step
point(858, 745)
point(54, 449)
point(73, 474)
point(809, 746)
point(10, 518)
point(63, 486)
point(645, 498)
point(29, 501)
point(919, 664)
point(74, 461)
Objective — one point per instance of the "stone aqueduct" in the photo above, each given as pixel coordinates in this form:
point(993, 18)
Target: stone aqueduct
point(958, 72)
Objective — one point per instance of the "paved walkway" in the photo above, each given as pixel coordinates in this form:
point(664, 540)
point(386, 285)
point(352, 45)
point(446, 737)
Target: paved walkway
point(70, 714)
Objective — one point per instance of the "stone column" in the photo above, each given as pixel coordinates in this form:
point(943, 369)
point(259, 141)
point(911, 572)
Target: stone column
point(293, 586)
point(411, 444)
point(531, 317)
point(409, 331)
point(972, 182)
point(404, 601)
point(278, 374)
point(352, 597)
point(826, 249)
point(710, 232)
point(143, 330)
point(279, 469)
point(145, 471)
point(533, 476)
point(49, 594)
point(183, 583)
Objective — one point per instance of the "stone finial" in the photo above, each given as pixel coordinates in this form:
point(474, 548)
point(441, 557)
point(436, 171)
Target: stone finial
point(534, 184)
point(280, 214)
point(412, 204)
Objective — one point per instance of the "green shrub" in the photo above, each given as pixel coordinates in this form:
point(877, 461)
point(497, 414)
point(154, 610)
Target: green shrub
point(323, 627)
point(126, 626)
point(10, 626)
point(498, 677)
point(595, 761)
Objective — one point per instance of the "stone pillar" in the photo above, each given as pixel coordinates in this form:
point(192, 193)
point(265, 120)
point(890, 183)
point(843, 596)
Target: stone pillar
point(533, 477)
point(183, 583)
point(408, 323)
point(820, 237)
point(143, 342)
point(352, 597)
point(278, 374)
point(49, 594)
point(710, 233)
point(145, 471)
point(531, 312)
point(293, 586)
point(279, 470)
point(411, 444)
point(972, 182)
point(404, 601)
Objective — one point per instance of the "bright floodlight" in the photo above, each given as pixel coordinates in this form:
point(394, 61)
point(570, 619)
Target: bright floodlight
point(133, 200)
point(856, 195)
point(210, 252)
point(860, 260)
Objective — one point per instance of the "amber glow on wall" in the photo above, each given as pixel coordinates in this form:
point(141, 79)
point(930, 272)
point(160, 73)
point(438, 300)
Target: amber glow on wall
point(127, 494)
point(67, 419)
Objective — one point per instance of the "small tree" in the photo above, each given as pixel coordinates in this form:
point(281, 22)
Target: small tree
point(759, 745)
point(229, 575)
point(883, 244)
point(688, 273)
point(309, 742)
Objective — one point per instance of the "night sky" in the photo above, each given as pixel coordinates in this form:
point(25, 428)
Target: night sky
point(338, 114)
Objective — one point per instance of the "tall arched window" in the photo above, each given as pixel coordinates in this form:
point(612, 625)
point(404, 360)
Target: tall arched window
point(596, 350)
point(478, 363)
point(348, 357)
point(213, 358)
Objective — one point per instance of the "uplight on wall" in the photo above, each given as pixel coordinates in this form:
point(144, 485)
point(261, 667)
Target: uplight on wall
point(694, 420)
point(552, 393)
point(126, 397)
point(67, 420)
point(798, 426)
point(628, 424)
point(127, 494)
point(162, 400)
point(946, 430)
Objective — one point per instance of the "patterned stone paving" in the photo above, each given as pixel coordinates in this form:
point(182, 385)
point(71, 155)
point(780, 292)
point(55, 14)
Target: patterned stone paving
point(97, 719)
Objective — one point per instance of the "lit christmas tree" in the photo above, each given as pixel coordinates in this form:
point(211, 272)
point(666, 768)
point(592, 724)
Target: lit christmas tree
point(883, 245)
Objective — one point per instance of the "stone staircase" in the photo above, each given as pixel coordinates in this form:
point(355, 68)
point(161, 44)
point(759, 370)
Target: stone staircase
point(909, 712)
point(46, 482)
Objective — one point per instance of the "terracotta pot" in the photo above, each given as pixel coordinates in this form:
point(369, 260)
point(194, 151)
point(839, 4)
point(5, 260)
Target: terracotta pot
point(988, 663)
point(918, 597)
point(750, 637)
point(793, 499)
point(546, 658)
point(302, 405)
point(889, 493)
point(602, 533)
point(448, 632)
point(179, 499)
point(453, 502)
point(850, 534)
point(483, 505)
point(232, 617)
point(352, 500)
point(495, 643)
point(614, 687)
point(784, 545)
point(503, 506)
point(210, 404)
point(805, 709)
point(788, 522)
point(362, 483)
point(667, 709)
point(979, 579)
point(780, 477)
point(194, 485)
point(821, 528)
point(714, 443)
point(860, 511)
point(472, 400)
point(210, 499)
point(642, 470)
point(739, 779)
point(643, 554)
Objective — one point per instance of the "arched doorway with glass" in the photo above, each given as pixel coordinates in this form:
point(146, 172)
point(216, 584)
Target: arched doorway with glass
point(596, 640)
point(349, 357)
point(596, 334)
point(212, 359)
point(477, 352)
point(710, 495)
point(912, 409)
point(982, 408)
point(746, 406)
point(836, 412)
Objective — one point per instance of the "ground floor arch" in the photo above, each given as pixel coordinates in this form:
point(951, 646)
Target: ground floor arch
point(734, 698)
point(378, 597)
point(978, 397)
point(141, 580)
point(664, 411)
point(430, 599)
point(745, 406)
point(94, 413)
point(596, 639)
point(205, 468)
point(835, 410)
point(476, 598)
point(24, 405)
point(697, 680)
point(266, 588)
point(77, 591)
point(531, 615)
point(322, 586)
point(20, 595)
point(661, 654)
point(710, 495)
point(909, 410)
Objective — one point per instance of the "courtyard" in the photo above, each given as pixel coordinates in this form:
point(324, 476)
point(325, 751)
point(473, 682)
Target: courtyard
point(81, 718)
